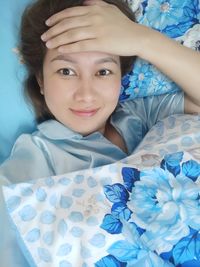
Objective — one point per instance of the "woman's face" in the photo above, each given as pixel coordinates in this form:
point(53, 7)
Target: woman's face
point(82, 89)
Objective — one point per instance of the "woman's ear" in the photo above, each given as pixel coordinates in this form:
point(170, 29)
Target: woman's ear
point(39, 79)
point(41, 91)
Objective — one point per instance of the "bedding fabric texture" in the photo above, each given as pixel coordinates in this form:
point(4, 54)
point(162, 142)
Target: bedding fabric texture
point(179, 20)
point(142, 211)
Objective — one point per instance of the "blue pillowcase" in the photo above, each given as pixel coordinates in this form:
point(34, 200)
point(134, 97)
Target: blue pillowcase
point(177, 19)
point(15, 115)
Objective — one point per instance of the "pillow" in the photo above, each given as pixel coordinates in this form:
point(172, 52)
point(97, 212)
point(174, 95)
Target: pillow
point(179, 20)
point(15, 115)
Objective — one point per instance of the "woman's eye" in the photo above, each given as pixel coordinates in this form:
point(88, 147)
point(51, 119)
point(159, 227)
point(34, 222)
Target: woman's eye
point(66, 72)
point(104, 72)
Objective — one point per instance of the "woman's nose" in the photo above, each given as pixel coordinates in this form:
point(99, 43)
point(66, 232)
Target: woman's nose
point(86, 91)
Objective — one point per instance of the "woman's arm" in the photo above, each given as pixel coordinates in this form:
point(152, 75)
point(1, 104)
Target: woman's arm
point(99, 26)
point(178, 62)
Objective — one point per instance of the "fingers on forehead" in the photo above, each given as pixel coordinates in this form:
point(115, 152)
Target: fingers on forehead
point(67, 13)
point(74, 11)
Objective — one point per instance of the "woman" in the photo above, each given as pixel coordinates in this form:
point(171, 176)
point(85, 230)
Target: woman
point(74, 95)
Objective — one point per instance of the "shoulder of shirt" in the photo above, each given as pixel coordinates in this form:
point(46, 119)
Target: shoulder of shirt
point(51, 130)
point(149, 98)
point(128, 104)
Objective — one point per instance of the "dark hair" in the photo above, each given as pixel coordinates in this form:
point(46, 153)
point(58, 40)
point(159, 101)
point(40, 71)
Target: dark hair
point(33, 49)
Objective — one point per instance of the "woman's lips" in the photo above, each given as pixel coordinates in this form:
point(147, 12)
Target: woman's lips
point(84, 113)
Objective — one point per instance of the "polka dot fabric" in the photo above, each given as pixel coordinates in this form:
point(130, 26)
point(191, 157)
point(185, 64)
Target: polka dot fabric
point(59, 217)
point(177, 132)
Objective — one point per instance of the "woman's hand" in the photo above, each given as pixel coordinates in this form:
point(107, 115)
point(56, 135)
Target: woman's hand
point(96, 26)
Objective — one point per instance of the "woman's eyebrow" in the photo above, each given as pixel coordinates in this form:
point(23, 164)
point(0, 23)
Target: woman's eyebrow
point(107, 60)
point(64, 58)
point(98, 61)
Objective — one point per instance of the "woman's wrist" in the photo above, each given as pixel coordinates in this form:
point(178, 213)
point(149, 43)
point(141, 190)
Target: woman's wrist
point(146, 42)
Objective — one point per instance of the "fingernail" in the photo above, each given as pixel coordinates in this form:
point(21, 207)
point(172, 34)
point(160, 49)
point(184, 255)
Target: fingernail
point(48, 44)
point(48, 22)
point(43, 37)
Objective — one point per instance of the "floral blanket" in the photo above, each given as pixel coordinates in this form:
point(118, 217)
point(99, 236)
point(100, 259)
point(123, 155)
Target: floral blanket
point(143, 211)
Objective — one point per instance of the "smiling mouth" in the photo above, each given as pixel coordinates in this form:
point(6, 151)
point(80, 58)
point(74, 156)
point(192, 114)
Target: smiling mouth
point(84, 113)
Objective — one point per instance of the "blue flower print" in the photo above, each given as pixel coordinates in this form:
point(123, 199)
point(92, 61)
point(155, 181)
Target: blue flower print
point(111, 224)
point(130, 175)
point(171, 162)
point(145, 80)
point(132, 251)
point(188, 248)
point(110, 261)
point(138, 7)
point(173, 159)
point(125, 92)
point(161, 83)
point(190, 17)
point(191, 11)
point(161, 13)
point(139, 82)
point(157, 212)
point(165, 206)
point(191, 169)
point(118, 195)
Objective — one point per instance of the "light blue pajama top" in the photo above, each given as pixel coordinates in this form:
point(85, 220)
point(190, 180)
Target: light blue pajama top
point(54, 149)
